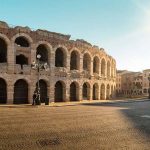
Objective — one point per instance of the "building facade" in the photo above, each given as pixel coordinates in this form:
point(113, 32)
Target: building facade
point(130, 84)
point(77, 70)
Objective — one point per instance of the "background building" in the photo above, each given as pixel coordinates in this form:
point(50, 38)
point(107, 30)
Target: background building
point(78, 70)
point(132, 84)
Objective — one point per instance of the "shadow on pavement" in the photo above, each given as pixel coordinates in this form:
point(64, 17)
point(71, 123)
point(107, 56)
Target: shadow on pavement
point(138, 113)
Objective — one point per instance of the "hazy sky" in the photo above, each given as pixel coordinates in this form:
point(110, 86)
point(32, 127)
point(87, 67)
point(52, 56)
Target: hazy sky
point(121, 27)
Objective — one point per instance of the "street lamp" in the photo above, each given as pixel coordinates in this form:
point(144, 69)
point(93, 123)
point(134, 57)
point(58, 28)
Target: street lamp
point(38, 65)
point(149, 87)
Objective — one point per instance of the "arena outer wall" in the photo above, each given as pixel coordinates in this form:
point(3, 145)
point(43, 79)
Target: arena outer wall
point(78, 71)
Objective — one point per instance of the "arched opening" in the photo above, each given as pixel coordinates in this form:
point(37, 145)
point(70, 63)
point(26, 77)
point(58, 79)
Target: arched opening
point(21, 92)
point(108, 69)
point(73, 91)
point(108, 92)
point(86, 91)
point(95, 65)
point(3, 51)
point(43, 51)
point(111, 96)
point(86, 62)
point(22, 42)
point(103, 67)
point(74, 61)
point(43, 90)
point(22, 60)
point(95, 91)
point(60, 58)
point(102, 92)
point(3, 91)
point(59, 91)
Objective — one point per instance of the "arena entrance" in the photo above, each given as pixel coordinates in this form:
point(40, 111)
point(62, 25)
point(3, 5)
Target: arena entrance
point(86, 91)
point(59, 90)
point(21, 92)
point(73, 92)
point(3, 91)
point(43, 90)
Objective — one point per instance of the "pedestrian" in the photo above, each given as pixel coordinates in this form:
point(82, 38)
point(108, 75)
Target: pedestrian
point(34, 98)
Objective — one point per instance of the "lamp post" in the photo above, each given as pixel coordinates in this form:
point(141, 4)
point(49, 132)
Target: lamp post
point(38, 65)
point(149, 87)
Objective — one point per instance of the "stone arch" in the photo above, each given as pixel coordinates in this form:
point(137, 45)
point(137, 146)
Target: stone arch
point(3, 50)
point(60, 57)
point(60, 89)
point(102, 91)
point(74, 60)
point(3, 91)
point(74, 91)
point(108, 92)
point(96, 62)
point(21, 92)
point(24, 36)
point(22, 41)
point(108, 69)
point(86, 91)
point(43, 90)
point(43, 52)
point(103, 67)
point(45, 56)
point(95, 91)
point(112, 91)
point(87, 62)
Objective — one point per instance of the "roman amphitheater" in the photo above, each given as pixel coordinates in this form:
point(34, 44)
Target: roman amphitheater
point(77, 70)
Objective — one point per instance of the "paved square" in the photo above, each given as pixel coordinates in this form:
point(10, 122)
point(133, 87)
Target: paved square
point(93, 126)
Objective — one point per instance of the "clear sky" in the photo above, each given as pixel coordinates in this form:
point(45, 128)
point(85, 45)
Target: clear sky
point(121, 27)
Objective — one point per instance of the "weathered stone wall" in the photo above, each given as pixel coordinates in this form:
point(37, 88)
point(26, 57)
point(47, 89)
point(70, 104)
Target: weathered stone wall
point(11, 72)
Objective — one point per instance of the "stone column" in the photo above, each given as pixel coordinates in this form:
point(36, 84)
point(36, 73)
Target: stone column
point(11, 58)
point(67, 93)
point(80, 93)
point(52, 92)
point(10, 93)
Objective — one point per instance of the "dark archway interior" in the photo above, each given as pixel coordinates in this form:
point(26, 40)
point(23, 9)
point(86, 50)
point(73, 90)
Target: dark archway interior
point(43, 90)
point(21, 41)
point(102, 92)
point(42, 50)
point(22, 60)
point(3, 51)
point(59, 58)
point(73, 92)
point(85, 91)
point(103, 67)
point(3, 91)
point(94, 92)
point(21, 92)
point(58, 92)
point(86, 62)
point(95, 65)
point(74, 61)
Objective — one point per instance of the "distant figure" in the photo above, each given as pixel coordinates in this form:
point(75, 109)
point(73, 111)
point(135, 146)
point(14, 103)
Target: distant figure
point(34, 98)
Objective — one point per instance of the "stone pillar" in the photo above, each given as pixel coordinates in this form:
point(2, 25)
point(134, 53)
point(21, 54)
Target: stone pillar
point(10, 93)
point(91, 92)
point(98, 92)
point(81, 64)
point(11, 58)
point(67, 93)
point(91, 69)
point(80, 93)
point(52, 93)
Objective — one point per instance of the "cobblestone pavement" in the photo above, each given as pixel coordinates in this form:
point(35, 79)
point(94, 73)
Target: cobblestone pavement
point(89, 126)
